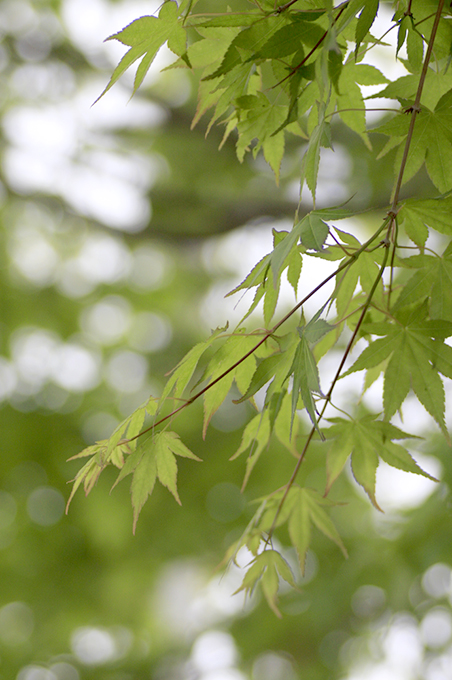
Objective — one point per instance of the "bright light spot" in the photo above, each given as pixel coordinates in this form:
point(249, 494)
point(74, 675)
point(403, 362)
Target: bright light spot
point(45, 156)
point(399, 490)
point(34, 355)
point(214, 650)
point(188, 602)
point(108, 320)
point(93, 646)
point(402, 644)
point(86, 20)
point(17, 16)
point(368, 601)
point(16, 624)
point(104, 259)
point(36, 673)
point(65, 671)
point(126, 371)
point(150, 332)
point(45, 506)
point(49, 130)
point(54, 80)
point(334, 172)
point(149, 269)
point(98, 426)
point(101, 259)
point(76, 368)
point(439, 667)
point(224, 674)
point(115, 202)
point(436, 627)
point(116, 110)
point(271, 666)
point(34, 257)
point(436, 581)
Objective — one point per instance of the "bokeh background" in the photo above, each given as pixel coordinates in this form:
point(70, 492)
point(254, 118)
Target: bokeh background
point(121, 232)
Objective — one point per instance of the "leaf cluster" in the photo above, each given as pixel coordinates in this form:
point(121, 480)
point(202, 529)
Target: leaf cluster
point(266, 72)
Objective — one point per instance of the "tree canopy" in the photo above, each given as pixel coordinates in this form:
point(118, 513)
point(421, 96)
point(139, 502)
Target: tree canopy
point(296, 157)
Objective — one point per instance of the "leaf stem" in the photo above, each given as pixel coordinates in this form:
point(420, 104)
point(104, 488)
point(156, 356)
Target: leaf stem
point(416, 108)
point(268, 334)
point(330, 391)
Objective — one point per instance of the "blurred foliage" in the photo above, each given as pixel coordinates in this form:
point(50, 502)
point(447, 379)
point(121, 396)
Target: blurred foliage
point(94, 309)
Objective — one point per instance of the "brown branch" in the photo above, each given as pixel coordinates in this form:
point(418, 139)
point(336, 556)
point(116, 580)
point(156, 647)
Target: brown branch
point(392, 214)
point(416, 108)
point(318, 43)
point(269, 333)
point(330, 391)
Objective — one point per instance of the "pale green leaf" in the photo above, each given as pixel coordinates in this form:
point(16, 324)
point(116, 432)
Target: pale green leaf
point(313, 232)
point(365, 21)
point(397, 456)
point(396, 382)
point(143, 481)
point(165, 462)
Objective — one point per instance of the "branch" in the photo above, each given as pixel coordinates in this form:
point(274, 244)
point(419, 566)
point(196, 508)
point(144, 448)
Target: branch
point(269, 333)
point(330, 391)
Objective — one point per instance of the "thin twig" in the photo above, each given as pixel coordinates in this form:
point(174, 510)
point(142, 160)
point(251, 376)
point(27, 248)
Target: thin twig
point(416, 108)
point(269, 333)
point(318, 43)
point(330, 392)
point(392, 214)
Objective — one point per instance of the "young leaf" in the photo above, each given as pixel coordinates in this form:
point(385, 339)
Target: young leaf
point(265, 568)
point(306, 509)
point(145, 36)
point(184, 370)
point(313, 231)
point(255, 437)
point(143, 480)
point(365, 21)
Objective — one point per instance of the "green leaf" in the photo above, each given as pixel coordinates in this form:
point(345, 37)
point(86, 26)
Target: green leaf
point(256, 276)
point(89, 472)
point(145, 36)
point(396, 382)
point(311, 159)
point(143, 480)
point(255, 437)
point(282, 423)
point(233, 350)
point(364, 465)
point(365, 21)
point(305, 381)
point(432, 212)
point(294, 269)
point(165, 462)
point(227, 20)
point(375, 353)
point(270, 300)
point(350, 102)
point(306, 509)
point(397, 456)
point(174, 444)
point(264, 372)
point(415, 48)
point(265, 568)
point(366, 440)
point(426, 382)
point(184, 370)
point(313, 231)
